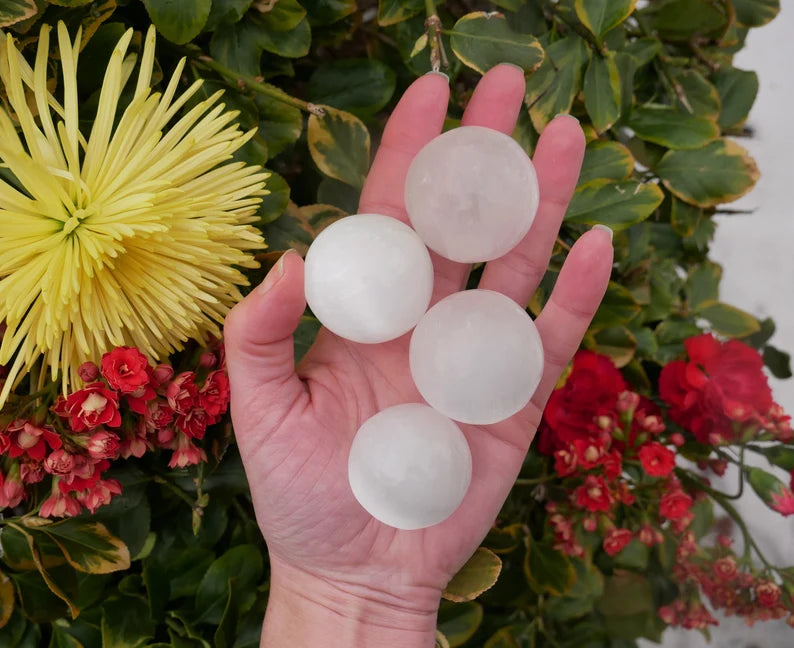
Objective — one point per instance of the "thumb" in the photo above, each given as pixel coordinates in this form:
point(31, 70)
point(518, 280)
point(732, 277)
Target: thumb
point(258, 340)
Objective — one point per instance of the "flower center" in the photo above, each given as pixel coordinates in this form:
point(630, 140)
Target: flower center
point(93, 403)
point(76, 217)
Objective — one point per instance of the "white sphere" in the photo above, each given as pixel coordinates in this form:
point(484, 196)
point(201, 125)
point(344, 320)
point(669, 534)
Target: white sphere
point(476, 357)
point(368, 278)
point(409, 466)
point(471, 194)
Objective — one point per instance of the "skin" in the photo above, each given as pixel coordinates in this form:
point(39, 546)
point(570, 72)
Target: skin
point(339, 577)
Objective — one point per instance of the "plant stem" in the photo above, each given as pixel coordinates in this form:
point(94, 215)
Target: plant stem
point(433, 28)
point(534, 481)
point(174, 489)
point(259, 86)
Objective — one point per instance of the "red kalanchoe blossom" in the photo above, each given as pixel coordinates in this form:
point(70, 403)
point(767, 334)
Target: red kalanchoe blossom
point(768, 593)
point(103, 445)
point(59, 462)
point(126, 369)
point(616, 540)
point(12, 491)
point(722, 383)
point(88, 372)
point(565, 461)
point(725, 569)
point(612, 463)
point(656, 460)
point(59, 504)
point(675, 504)
point(182, 393)
point(593, 495)
point(591, 390)
point(161, 374)
point(137, 444)
point(99, 494)
point(782, 501)
point(194, 423)
point(24, 439)
point(186, 453)
point(31, 472)
point(159, 414)
point(92, 406)
point(214, 394)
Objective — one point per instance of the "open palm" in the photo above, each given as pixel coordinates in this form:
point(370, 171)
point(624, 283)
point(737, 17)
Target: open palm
point(295, 426)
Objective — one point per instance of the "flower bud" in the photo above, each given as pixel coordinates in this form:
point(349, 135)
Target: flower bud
point(162, 374)
point(88, 372)
point(677, 439)
point(208, 360)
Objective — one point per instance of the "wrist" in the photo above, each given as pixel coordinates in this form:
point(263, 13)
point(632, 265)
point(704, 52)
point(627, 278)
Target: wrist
point(307, 610)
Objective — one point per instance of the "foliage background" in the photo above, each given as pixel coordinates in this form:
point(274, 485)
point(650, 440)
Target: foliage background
point(656, 91)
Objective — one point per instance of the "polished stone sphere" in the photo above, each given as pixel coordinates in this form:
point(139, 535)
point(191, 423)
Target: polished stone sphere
point(471, 194)
point(368, 278)
point(476, 357)
point(409, 466)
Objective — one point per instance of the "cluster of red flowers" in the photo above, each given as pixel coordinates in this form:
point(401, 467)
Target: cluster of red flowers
point(126, 408)
point(729, 585)
point(721, 394)
point(592, 426)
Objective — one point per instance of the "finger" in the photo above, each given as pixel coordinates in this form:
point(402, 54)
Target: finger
point(558, 159)
point(564, 319)
point(417, 119)
point(495, 104)
point(258, 341)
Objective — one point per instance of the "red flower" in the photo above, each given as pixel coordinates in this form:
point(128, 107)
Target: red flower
point(214, 395)
point(768, 593)
point(182, 393)
point(194, 423)
point(657, 460)
point(782, 501)
point(126, 369)
point(59, 504)
point(159, 414)
point(565, 461)
point(59, 462)
point(616, 540)
point(12, 492)
point(593, 495)
point(186, 453)
point(99, 494)
point(591, 390)
point(675, 505)
point(613, 464)
point(103, 445)
point(725, 569)
point(23, 438)
point(92, 406)
point(723, 382)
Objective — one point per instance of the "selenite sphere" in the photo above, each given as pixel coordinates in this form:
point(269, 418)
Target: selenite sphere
point(476, 357)
point(471, 194)
point(368, 278)
point(409, 466)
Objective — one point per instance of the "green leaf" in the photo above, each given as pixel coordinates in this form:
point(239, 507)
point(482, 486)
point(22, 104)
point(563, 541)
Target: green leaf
point(773, 492)
point(513, 636)
point(184, 569)
point(6, 599)
point(759, 339)
point(618, 204)
point(602, 91)
point(568, 56)
point(626, 593)
point(643, 50)
point(617, 307)
point(634, 555)
point(547, 570)
point(275, 202)
point(482, 40)
point(297, 227)
point(36, 599)
point(703, 284)
point(737, 90)
point(459, 621)
point(339, 146)
point(477, 575)
point(89, 546)
point(778, 455)
point(280, 124)
point(14, 11)
point(226, 12)
point(126, 622)
point(327, 12)
point(391, 12)
point(696, 95)
point(361, 86)
point(504, 540)
point(224, 635)
point(239, 46)
point(581, 599)
point(670, 334)
point(683, 20)
point(284, 15)
point(717, 173)
point(293, 42)
point(672, 128)
point(241, 564)
point(754, 13)
point(599, 16)
point(778, 362)
point(178, 20)
point(62, 639)
point(703, 510)
point(729, 320)
point(616, 342)
point(338, 194)
point(605, 160)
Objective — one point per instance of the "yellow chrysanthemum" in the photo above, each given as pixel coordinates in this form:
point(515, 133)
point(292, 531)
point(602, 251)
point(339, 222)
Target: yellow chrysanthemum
point(132, 236)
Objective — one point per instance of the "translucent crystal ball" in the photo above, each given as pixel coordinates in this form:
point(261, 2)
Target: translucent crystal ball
point(471, 194)
point(409, 466)
point(476, 357)
point(368, 278)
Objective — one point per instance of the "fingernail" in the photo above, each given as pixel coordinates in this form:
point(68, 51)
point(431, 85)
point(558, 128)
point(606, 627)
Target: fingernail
point(513, 65)
point(438, 73)
point(567, 116)
point(604, 228)
point(273, 276)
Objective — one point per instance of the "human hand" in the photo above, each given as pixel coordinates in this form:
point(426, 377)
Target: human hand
point(340, 577)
